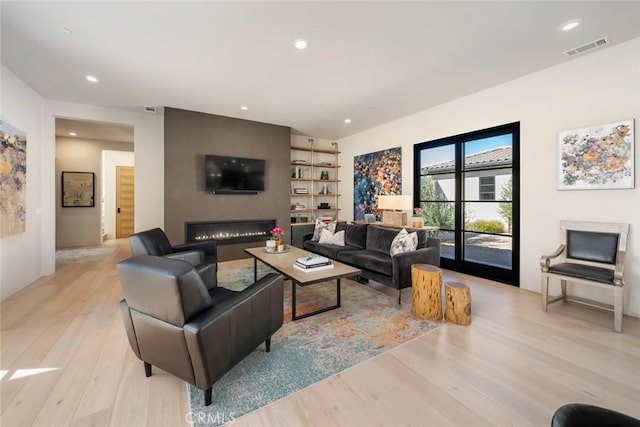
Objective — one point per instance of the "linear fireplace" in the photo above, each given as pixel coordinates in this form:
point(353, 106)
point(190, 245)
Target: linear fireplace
point(228, 232)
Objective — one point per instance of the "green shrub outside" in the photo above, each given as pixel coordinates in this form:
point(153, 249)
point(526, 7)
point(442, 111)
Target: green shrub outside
point(488, 226)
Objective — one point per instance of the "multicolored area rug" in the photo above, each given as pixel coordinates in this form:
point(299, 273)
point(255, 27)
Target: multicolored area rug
point(306, 351)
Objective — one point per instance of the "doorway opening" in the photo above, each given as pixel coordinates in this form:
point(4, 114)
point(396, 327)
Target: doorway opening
point(80, 147)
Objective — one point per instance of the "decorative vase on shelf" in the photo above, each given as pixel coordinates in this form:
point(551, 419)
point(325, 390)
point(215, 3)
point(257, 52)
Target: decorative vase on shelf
point(417, 221)
point(277, 243)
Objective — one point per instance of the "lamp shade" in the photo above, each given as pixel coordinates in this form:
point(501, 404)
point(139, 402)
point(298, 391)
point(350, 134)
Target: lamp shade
point(395, 202)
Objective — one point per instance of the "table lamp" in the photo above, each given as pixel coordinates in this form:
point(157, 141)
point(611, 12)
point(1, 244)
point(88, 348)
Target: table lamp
point(392, 207)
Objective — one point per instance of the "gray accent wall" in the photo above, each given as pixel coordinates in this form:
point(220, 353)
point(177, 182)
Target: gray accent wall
point(188, 137)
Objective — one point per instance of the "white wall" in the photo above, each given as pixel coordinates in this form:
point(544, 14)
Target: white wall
point(598, 88)
point(111, 159)
point(25, 257)
point(20, 254)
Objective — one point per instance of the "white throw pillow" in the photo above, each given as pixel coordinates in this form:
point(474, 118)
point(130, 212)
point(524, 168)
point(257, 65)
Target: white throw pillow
point(404, 242)
point(330, 238)
point(322, 226)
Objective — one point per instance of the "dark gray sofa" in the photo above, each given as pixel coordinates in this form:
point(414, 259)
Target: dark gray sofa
point(367, 247)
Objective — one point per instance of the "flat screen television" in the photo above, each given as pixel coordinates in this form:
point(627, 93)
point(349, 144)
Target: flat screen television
point(234, 174)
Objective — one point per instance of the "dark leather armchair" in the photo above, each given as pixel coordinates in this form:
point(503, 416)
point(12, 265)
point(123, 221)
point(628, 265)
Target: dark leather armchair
point(202, 255)
point(175, 323)
point(582, 415)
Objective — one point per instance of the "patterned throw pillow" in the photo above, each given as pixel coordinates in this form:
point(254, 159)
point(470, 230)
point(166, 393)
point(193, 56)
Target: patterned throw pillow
point(322, 226)
point(326, 236)
point(404, 242)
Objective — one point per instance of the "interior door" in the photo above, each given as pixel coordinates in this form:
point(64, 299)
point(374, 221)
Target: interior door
point(124, 201)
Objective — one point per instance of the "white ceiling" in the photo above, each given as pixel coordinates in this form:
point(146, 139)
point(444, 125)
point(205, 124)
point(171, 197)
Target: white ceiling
point(370, 61)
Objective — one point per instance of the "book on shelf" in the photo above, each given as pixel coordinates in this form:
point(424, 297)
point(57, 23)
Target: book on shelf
point(297, 172)
point(311, 270)
point(312, 260)
point(312, 266)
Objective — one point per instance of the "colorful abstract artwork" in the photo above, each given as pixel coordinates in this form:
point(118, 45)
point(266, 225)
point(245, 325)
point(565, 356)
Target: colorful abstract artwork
point(13, 179)
point(597, 157)
point(375, 174)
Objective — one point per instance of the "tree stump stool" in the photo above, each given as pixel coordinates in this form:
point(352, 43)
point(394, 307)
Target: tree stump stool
point(426, 285)
point(458, 303)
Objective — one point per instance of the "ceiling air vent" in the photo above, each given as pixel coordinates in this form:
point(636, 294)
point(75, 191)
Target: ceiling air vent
point(150, 109)
point(588, 46)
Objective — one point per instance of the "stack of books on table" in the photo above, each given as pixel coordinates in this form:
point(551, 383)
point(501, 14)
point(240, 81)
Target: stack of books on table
point(313, 263)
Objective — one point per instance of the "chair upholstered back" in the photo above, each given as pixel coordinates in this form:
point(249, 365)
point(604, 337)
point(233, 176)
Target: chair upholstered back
point(592, 246)
point(150, 242)
point(200, 254)
point(167, 289)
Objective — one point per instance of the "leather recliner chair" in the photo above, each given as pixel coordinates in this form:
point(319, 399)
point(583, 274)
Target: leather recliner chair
point(175, 323)
point(202, 255)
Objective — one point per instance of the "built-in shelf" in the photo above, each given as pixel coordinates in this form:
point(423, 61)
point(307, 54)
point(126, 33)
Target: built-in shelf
point(308, 166)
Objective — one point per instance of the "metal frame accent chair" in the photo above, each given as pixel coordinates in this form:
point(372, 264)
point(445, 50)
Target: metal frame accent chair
point(202, 255)
point(594, 255)
point(175, 323)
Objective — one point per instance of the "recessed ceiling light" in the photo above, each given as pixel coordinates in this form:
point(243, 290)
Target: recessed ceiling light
point(92, 79)
point(300, 44)
point(347, 121)
point(570, 25)
point(73, 133)
point(244, 107)
point(66, 30)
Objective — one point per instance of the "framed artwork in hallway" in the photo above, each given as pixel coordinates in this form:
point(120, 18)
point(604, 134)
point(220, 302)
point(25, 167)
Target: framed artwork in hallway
point(78, 189)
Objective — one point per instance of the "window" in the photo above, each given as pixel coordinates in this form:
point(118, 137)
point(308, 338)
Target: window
point(467, 185)
point(487, 188)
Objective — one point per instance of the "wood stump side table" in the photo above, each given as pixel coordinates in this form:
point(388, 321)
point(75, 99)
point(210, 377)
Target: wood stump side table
point(426, 293)
point(458, 303)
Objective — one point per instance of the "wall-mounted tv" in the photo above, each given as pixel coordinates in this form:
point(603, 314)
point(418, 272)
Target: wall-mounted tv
point(234, 174)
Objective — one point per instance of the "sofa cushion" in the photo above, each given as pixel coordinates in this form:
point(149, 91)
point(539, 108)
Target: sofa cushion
point(327, 237)
point(368, 259)
point(581, 271)
point(322, 226)
point(404, 242)
point(422, 238)
point(330, 251)
point(379, 239)
point(356, 235)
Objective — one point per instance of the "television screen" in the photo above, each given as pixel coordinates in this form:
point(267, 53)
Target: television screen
point(234, 174)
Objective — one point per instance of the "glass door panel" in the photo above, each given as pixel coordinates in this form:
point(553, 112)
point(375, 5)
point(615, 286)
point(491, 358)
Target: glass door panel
point(437, 193)
point(487, 202)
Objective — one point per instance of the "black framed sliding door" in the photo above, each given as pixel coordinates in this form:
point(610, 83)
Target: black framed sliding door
point(468, 186)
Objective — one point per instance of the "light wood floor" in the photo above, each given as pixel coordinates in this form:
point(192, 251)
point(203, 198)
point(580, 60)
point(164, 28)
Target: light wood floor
point(65, 361)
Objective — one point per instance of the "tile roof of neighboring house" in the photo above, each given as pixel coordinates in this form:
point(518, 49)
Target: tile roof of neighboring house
point(494, 157)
